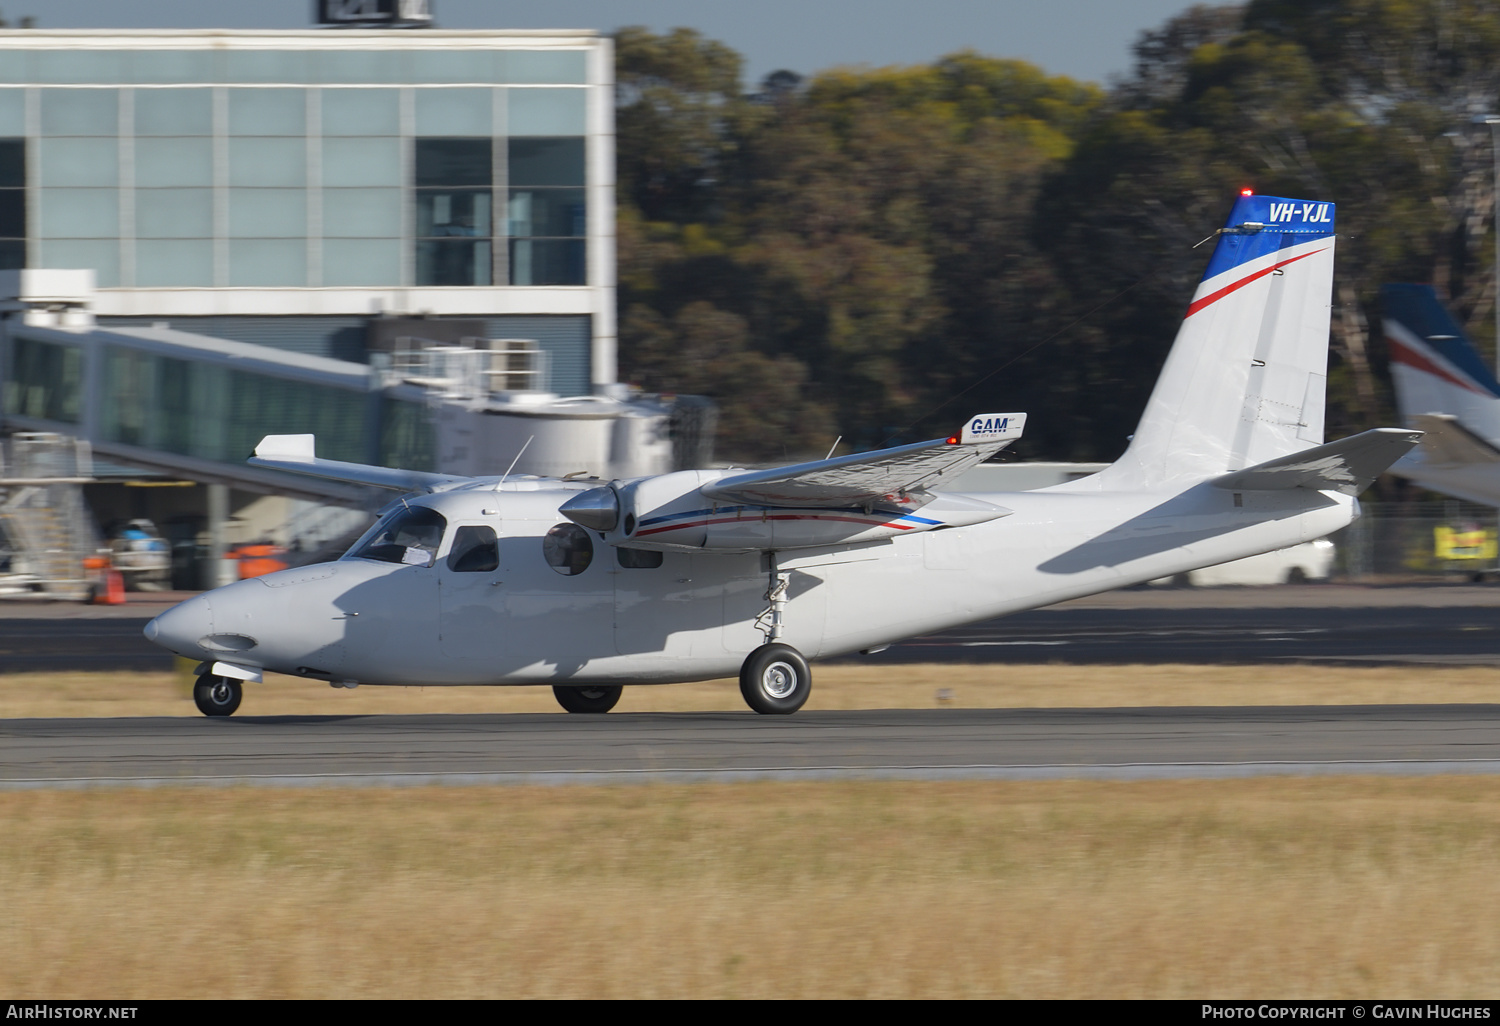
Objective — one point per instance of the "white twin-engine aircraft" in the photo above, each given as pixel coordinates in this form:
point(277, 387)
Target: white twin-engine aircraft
point(706, 573)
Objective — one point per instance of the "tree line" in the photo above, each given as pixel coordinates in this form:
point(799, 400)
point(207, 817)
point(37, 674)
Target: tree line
point(876, 253)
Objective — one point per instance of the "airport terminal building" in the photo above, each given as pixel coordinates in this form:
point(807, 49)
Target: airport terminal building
point(313, 193)
point(207, 236)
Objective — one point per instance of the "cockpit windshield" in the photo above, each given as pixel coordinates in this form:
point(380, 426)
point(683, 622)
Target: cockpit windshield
point(409, 535)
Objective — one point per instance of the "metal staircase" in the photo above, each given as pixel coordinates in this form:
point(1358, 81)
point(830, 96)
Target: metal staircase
point(46, 527)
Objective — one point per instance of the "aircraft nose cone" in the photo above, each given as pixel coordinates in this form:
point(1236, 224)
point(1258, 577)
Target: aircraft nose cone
point(180, 627)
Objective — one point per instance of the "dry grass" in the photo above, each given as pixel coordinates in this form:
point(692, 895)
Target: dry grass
point(835, 687)
point(1334, 888)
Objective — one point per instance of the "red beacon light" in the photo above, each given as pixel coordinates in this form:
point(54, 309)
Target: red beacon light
point(1247, 192)
point(952, 439)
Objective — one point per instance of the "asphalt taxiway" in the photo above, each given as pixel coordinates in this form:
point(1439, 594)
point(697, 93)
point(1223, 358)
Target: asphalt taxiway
point(1019, 744)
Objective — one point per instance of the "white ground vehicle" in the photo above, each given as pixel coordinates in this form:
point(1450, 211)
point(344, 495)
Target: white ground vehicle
point(142, 555)
point(1310, 561)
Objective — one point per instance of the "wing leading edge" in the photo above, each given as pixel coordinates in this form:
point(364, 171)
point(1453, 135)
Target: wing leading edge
point(906, 472)
point(294, 453)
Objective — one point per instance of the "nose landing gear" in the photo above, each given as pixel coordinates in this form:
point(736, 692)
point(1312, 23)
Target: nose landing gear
point(217, 696)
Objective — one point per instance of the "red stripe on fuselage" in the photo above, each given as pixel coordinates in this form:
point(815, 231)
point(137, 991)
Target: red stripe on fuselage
point(1412, 358)
point(1214, 297)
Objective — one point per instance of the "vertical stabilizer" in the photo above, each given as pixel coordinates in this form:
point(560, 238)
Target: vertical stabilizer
point(1433, 366)
point(1244, 382)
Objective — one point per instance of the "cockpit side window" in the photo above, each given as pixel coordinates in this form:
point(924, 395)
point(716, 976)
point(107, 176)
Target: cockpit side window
point(409, 535)
point(474, 550)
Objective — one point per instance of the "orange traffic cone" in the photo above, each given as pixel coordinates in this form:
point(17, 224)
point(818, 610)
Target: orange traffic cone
point(113, 592)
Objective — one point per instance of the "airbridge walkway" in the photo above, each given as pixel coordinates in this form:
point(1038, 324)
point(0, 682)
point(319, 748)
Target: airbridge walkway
point(195, 406)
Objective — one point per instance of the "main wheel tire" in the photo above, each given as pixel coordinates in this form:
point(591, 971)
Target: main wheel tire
point(775, 680)
point(217, 696)
point(590, 698)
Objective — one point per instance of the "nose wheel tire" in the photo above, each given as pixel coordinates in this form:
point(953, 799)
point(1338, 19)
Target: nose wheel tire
point(775, 680)
point(217, 696)
point(590, 698)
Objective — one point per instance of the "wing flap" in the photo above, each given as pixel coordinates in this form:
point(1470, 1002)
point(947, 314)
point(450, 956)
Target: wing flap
point(294, 453)
point(1347, 465)
point(905, 472)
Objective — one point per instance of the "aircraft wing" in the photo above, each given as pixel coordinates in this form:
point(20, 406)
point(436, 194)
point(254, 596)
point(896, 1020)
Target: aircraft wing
point(1446, 441)
point(905, 472)
point(1347, 465)
point(295, 453)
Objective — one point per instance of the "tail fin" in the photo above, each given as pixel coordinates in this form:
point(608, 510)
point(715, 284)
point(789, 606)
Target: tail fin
point(1433, 366)
point(1244, 382)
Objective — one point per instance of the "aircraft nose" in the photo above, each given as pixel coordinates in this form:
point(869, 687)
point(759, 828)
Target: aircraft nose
point(180, 627)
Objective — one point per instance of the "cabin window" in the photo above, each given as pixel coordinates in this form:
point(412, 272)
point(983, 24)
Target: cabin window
point(474, 551)
point(568, 549)
point(410, 535)
point(639, 559)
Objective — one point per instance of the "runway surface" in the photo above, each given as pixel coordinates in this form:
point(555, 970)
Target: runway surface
point(1324, 623)
point(1027, 744)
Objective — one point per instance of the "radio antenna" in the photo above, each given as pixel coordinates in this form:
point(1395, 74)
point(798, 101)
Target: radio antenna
point(513, 464)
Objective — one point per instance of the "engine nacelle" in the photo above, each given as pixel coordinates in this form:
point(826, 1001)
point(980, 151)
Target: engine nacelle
point(670, 512)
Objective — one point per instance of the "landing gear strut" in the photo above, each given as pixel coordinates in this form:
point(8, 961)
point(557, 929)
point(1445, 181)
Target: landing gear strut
point(590, 698)
point(775, 680)
point(217, 696)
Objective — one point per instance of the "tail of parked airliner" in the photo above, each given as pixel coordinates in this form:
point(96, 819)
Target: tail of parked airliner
point(1433, 366)
point(1244, 382)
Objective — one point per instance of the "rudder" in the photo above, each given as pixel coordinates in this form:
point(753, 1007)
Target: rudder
point(1244, 381)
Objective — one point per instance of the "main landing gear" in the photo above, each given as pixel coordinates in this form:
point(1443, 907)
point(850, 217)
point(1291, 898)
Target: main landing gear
point(589, 698)
point(217, 696)
point(774, 679)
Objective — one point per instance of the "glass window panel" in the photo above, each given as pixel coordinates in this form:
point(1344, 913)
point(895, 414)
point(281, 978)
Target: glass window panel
point(352, 213)
point(77, 214)
point(359, 66)
point(174, 213)
point(361, 262)
point(45, 380)
point(267, 262)
point(268, 213)
point(75, 65)
point(548, 212)
point(546, 162)
point(174, 162)
point(453, 212)
point(103, 255)
point(13, 214)
point(554, 67)
point(267, 162)
point(361, 162)
point(547, 112)
point(12, 163)
point(80, 111)
point(267, 111)
point(163, 263)
point(79, 162)
point(172, 66)
point(16, 67)
point(449, 65)
point(454, 112)
point(453, 162)
point(174, 112)
point(361, 112)
point(453, 262)
point(547, 262)
point(406, 436)
point(12, 254)
point(265, 66)
point(12, 111)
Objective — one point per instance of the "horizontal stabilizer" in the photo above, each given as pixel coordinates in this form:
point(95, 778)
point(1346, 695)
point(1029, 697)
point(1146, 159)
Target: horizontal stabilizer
point(907, 471)
point(294, 453)
point(1347, 466)
point(1445, 441)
